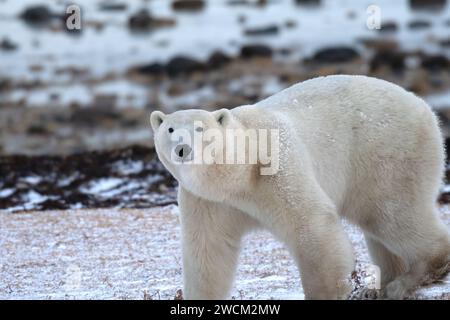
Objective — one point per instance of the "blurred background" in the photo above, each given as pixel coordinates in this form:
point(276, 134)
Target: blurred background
point(66, 92)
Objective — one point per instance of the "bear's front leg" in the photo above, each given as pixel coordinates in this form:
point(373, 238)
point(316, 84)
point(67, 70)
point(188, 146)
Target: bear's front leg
point(211, 238)
point(313, 233)
point(325, 258)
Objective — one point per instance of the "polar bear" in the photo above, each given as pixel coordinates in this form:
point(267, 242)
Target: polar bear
point(350, 147)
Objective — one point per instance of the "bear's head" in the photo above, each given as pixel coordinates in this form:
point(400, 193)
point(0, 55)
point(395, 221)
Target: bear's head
point(192, 146)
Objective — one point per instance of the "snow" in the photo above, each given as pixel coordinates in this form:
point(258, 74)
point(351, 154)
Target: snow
point(115, 187)
point(28, 200)
point(439, 101)
point(33, 180)
point(101, 185)
point(120, 254)
point(128, 167)
point(65, 94)
point(66, 181)
point(33, 197)
point(115, 137)
point(6, 192)
point(192, 98)
point(123, 188)
point(445, 189)
point(271, 86)
point(127, 93)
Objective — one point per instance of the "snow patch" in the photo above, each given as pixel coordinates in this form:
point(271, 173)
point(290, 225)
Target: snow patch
point(127, 167)
point(101, 185)
point(7, 192)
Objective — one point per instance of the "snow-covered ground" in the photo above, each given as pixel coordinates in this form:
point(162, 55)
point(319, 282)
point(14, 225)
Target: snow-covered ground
point(132, 254)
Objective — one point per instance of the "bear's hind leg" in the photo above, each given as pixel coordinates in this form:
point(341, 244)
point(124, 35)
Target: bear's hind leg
point(391, 266)
point(421, 240)
point(426, 267)
point(323, 253)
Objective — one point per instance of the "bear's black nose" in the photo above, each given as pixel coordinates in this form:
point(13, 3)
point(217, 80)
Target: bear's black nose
point(183, 151)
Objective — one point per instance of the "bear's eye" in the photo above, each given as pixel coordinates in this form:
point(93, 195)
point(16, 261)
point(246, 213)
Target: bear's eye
point(199, 129)
point(170, 130)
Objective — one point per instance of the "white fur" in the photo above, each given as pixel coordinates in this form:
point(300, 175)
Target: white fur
point(350, 147)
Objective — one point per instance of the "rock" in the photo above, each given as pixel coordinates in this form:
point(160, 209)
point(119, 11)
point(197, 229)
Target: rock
point(269, 30)
point(179, 295)
point(238, 2)
point(183, 65)
point(114, 6)
point(419, 24)
point(427, 4)
point(162, 22)
point(104, 102)
point(242, 19)
point(445, 43)
point(97, 25)
point(258, 3)
point(395, 61)
point(37, 129)
point(39, 14)
point(447, 148)
point(308, 2)
point(152, 69)
point(379, 44)
point(5, 85)
point(444, 120)
point(7, 45)
point(290, 24)
point(101, 112)
point(436, 81)
point(188, 5)
point(140, 21)
point(335, 55)
point(285, 51)
point(176, 89)
point(420, 83)
point(388, 27)
point(351, 15)
point(444, 197)
point(256, 50)
point(218, 59)
point(435, 63)
point(54, 96)
point(143, 21)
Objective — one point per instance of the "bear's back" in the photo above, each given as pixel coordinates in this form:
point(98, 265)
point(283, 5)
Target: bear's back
point(333, 90)
point(342, 122)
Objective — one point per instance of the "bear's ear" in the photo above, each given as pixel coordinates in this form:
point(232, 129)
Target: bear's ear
point(222, 116)
point(156, 119)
